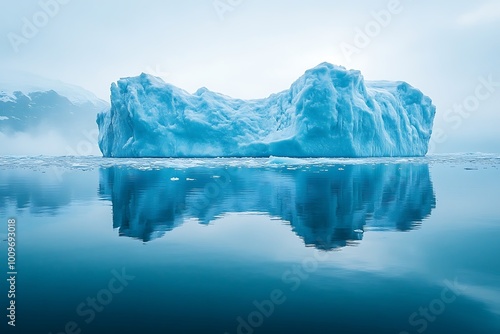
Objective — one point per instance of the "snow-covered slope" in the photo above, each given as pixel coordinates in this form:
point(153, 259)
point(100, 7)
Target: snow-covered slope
point(328, 112)
point(12, 81)
point(42, 116)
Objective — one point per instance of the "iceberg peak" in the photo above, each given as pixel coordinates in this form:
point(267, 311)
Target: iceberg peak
point(328, 112)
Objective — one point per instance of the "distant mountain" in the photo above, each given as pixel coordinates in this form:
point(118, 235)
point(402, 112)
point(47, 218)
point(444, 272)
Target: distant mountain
point(11, 81)
point(43, 116)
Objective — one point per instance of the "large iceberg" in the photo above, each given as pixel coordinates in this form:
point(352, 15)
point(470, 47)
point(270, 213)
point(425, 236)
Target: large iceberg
point(328, 112)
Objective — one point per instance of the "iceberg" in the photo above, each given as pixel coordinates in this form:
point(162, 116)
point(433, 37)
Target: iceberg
point(328, 112)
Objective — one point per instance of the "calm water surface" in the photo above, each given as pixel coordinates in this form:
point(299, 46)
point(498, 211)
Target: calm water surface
point(253, 245)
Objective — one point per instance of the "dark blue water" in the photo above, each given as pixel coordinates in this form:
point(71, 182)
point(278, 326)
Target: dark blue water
point(339, 246)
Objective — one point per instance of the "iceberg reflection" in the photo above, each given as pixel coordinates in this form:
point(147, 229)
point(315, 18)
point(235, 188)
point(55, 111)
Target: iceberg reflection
point(45, 192)
point(328, 207)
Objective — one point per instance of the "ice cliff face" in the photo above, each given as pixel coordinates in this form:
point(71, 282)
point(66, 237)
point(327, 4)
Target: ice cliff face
point(328, 112)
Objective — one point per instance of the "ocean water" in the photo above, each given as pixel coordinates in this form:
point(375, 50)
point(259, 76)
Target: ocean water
point(252, 245)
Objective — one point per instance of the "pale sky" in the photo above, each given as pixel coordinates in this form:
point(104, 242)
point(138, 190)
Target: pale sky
point(252, 48)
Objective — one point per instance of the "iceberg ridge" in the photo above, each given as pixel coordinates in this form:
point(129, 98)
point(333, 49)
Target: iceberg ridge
point(328, 112)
